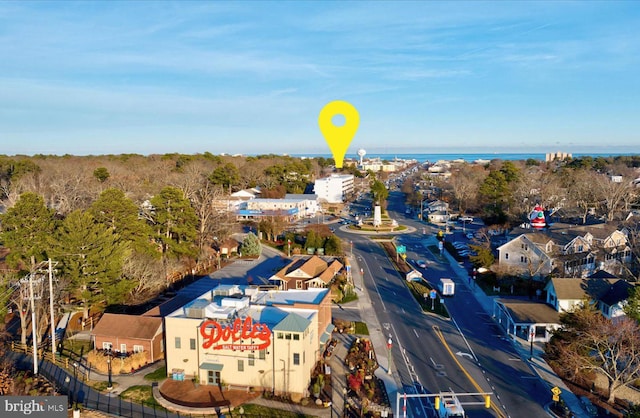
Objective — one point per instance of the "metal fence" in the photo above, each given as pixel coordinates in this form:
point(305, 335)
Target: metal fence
point(81, 395)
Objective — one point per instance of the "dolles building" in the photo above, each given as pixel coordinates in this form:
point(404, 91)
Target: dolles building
point(268, 340)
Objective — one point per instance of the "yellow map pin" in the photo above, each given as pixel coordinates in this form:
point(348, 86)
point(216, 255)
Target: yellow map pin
point(338, 137)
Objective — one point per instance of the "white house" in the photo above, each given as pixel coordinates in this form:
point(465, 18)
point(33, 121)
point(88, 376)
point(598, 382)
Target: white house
point(438, 217)
point(609, 294)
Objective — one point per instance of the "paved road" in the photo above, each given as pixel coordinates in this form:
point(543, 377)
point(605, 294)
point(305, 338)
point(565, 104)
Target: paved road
point(485, 361)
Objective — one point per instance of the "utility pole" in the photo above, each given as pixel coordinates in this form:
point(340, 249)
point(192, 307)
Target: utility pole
point(53, 326)
point(34, 338)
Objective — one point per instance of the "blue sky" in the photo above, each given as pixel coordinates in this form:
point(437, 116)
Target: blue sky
point(251, 77)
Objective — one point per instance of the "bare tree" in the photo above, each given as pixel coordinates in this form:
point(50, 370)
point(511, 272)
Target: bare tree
point(148, 273)
point(211, 222)
point(252, 174)
point(465, 183)
point(580, 190)
point(590, 342)
point(70, 188)
point(613, 195)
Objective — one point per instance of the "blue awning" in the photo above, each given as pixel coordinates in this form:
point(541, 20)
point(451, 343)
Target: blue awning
point(212, 366)
point(327, 333)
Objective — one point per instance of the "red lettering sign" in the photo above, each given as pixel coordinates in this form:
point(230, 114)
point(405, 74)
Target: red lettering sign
point(217, 337)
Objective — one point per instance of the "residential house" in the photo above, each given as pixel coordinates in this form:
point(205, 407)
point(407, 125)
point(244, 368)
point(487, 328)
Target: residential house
point(436, 205)
point(227, 247)
point(436, 211)
point(438, 217)
point(130, 334)
point(307, 273)
point(566, 250)
point(536, 322)
point(607, 293)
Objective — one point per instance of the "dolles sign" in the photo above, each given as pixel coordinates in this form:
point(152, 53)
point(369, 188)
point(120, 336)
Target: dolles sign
point(218, 337)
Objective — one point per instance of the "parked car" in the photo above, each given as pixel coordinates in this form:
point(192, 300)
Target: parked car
point(465, 219)
point(422, 264)
point(588, 406)
point(470, 235)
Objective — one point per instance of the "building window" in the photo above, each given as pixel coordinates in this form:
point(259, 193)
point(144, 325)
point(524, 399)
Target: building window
point(192, 343)
point(178, 345)
point(138, 349)
point(106, 346)
point(296, 359)
point(262, 354)
point(240, 365)
point(252, 360)
point(506, 256)
point(523, 259)
point(296, 337)
point(123, 348)
point(280, 335)
point(287, 336)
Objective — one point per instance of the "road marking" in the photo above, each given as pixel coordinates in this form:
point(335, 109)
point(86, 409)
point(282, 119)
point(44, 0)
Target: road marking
point(416, 332)
point(471, 379)
point(461, 354)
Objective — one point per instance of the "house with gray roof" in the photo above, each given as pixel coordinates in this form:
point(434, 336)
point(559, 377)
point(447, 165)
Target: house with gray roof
point(607, 294)
point(566, 251)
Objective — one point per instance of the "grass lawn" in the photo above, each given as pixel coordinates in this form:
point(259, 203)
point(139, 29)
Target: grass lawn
point(157, 375)
point(418, 289)
point(141, 394)
point(77, 346)
point(101, 386)
point(252, 410)
point(361, 328)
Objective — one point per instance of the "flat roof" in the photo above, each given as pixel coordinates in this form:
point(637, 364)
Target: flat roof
point(524, 312)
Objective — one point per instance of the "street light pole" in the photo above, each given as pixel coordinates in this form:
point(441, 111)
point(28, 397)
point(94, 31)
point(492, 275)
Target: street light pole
point(344, 401)
point(531, 335)
point(75, 384)
point(389, 345)
point(110, 385)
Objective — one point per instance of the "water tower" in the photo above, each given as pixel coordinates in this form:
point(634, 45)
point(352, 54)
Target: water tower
point(361, 154)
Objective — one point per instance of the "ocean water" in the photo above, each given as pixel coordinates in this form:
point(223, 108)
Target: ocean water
point(425, 157)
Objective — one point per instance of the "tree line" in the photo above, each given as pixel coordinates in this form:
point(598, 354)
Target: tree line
point(117, 226)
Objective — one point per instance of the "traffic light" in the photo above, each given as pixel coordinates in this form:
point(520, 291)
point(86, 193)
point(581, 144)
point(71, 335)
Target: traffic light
point(436, 403)
point(487, 401)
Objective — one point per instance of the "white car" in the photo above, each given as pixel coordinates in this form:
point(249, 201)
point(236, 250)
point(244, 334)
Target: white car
point(465, 219)
point(422, 264)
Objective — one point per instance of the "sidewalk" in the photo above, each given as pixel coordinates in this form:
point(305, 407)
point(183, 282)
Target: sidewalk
point(537, 363)
point(378, 339)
